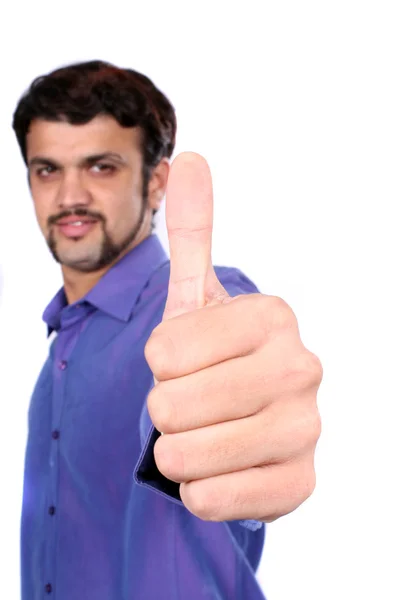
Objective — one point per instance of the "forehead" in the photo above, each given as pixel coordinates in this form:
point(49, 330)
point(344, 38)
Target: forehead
point(64, 142)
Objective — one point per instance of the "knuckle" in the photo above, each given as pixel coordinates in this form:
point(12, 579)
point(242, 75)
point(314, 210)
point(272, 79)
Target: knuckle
point(291, 490)
point(153, 349)
point(302, 485)
point(316, 428)
point(161, 409)
point(276, 313)
point(313, 366)
point(309, 484)
point(153, 405)
point(305, 370)
point(308, 431)
point(158, 353)
point(201, 501)
point(169, 459)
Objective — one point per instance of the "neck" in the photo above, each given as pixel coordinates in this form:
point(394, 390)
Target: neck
point(77, 283)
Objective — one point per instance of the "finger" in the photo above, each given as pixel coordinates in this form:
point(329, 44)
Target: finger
point(278, 434)
point(188, 343)
point(189, 218)
point(233, 389)
point(263, 493)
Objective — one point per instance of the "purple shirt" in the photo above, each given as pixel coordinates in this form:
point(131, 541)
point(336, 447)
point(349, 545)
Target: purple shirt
point(99, 522)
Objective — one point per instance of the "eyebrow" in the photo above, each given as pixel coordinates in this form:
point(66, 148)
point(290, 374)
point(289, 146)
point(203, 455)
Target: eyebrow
point(88, 160)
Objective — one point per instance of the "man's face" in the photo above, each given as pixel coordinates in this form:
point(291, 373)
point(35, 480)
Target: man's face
point(87, 187)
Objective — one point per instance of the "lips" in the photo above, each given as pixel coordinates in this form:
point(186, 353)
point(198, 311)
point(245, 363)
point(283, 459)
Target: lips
point(76, 227)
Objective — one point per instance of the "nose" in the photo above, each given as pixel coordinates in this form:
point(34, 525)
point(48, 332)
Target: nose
point(72, 192)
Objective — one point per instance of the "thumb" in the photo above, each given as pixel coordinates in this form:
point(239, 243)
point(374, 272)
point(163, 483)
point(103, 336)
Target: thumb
point(189, 216)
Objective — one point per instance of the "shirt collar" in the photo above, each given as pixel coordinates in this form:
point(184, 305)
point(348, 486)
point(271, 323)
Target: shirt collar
point(118, 290)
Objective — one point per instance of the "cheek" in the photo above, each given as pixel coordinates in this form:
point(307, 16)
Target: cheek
point(123, 210)
point(42, 210)
point(125, 215)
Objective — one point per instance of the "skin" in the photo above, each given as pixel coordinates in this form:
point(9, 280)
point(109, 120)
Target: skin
point(67, 176)
point(235, 390)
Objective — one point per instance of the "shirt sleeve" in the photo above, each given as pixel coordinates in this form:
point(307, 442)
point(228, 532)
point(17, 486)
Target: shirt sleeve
point(146, 472)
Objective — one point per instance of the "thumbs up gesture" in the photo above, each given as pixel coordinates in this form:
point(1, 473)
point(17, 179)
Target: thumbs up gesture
point(236, 389)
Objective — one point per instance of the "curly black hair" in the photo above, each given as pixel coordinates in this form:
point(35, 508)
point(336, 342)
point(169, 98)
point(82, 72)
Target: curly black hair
point(81, 91)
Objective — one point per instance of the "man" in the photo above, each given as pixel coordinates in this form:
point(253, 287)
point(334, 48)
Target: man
point(112, 509)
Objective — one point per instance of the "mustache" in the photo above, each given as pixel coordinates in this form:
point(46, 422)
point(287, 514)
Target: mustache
point(77, 212)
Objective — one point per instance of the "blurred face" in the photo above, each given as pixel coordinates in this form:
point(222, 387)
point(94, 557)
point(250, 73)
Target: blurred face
point(87, 187)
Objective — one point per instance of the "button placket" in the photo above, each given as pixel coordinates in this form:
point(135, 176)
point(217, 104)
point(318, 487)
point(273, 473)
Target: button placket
point(67, 338)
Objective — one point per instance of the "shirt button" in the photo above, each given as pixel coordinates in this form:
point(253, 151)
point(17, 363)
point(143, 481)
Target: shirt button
point(62, 365)
point(55, 435)
point(52, 510)
point(48, 588)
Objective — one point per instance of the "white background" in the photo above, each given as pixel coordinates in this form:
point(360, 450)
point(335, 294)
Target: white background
point(296, 107)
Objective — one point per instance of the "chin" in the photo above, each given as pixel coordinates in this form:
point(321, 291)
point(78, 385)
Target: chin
point(83, 262)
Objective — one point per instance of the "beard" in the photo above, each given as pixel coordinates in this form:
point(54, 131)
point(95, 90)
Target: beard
point(97, 257)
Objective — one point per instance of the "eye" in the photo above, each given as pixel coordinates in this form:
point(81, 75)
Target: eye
point(45, 171)
point(103, 168)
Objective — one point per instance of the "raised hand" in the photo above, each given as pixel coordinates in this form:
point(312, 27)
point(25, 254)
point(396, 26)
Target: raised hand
point(236, 389)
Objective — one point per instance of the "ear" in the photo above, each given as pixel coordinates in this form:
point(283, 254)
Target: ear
point(158, 184)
